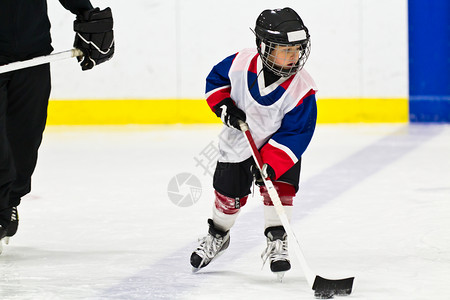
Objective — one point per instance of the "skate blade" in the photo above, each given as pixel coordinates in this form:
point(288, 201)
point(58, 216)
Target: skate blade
point(280, 276)
point(195, 270)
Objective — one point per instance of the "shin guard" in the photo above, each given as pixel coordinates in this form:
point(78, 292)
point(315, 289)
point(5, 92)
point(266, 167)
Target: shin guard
point(229, 205)
point(286, 192)
point(226, 210)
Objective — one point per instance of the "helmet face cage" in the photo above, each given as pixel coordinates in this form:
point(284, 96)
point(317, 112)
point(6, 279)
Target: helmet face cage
point(284, 59)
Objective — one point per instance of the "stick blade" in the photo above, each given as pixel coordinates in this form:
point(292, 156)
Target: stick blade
point(327, 288)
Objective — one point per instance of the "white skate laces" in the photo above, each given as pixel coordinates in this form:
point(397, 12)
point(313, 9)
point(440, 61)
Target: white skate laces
point(276, 250)
point(14, 215)
point(211, 246)
point(12, 228)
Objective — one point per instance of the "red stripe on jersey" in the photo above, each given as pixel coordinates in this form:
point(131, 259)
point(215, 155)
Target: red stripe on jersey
point(253, 65)
point(234, 57)
point(277, 159)
point(286, 84)
point(218, 96)
point(311, 92)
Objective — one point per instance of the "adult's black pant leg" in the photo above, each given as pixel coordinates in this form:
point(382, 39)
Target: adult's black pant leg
point(7, 169)
point(28, 93)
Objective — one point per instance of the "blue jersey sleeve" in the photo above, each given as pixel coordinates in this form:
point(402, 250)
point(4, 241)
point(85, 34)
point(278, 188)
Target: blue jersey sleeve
point(287, 145)
point(218, 84)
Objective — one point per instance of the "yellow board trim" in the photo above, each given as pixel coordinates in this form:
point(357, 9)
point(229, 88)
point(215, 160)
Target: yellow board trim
point(366, 110)
point(194, 111)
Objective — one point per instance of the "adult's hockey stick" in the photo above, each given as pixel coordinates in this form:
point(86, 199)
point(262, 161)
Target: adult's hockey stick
point(40, 60)
point(323, 288)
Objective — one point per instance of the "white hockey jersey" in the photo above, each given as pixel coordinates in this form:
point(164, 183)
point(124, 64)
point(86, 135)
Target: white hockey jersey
point(281, 116)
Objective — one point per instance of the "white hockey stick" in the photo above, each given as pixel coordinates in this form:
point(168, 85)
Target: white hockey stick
point(323, 288)
point(40, 60)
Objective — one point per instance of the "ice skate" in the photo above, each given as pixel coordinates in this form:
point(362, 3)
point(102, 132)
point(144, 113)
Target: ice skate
point(277, 251)
point(211, 247)
point(12, 228)
point(2, 237)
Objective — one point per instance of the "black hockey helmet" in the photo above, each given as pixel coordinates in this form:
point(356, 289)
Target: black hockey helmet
point(281, 27)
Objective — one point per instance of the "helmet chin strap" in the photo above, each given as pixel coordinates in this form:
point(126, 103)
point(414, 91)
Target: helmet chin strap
point(256, 79)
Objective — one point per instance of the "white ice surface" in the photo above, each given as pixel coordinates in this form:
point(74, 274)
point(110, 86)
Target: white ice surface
point(99, 224)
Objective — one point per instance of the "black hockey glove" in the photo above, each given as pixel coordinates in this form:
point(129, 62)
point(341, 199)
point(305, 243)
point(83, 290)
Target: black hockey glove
point(229, 113)
point(94, 36)
point(267, 171)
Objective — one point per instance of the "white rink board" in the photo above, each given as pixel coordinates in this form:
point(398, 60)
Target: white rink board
point(165, 49)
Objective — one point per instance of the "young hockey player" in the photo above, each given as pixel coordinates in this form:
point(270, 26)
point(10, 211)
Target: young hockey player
point(25, 34)
point(268, 88)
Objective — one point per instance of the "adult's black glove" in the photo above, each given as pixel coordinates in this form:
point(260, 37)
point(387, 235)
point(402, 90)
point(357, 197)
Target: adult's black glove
point(94, 36)
point(267, 172)
point(229, 113)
